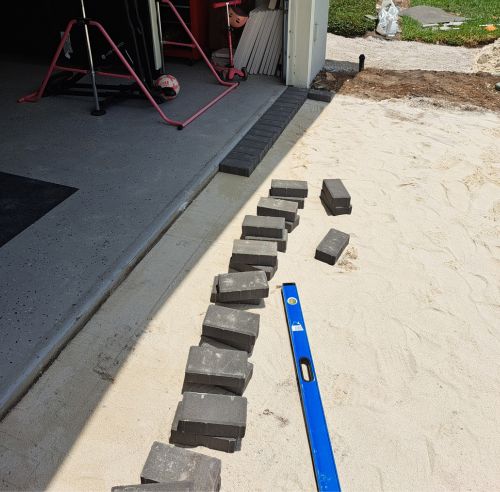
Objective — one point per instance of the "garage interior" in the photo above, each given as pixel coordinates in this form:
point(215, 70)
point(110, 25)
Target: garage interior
point(84, 197)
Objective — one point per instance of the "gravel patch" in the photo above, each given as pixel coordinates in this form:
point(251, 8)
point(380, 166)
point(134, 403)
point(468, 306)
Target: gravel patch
point(400, 55)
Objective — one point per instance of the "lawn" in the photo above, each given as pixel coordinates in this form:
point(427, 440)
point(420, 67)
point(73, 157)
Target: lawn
point(347, 18)
point(470, 33)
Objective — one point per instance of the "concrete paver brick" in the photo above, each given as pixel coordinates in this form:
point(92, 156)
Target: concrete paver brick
point(280, 242)
point(226, 444)
point(264, 252)
point(299, 201)
point(166, 463)
point(320, 95)
point(335, 193)
point(332, 209)
point(332, 246)
point(289, 188)
point(262, 226)
point(213, 415)
point(242, 267)
point(290, 226)
point(229, 369)
point(277, 208)
point(233, 327)
point(156, 487)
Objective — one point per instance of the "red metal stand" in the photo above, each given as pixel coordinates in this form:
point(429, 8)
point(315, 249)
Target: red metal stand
point(35, 96)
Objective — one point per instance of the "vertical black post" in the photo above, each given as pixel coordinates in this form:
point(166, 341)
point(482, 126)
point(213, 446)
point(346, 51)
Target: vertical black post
point(361, 62)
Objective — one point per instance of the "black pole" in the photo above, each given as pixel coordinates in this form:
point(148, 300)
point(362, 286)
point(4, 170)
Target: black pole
point(361, 62)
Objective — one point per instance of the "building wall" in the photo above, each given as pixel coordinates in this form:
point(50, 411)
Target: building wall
point(307, 27)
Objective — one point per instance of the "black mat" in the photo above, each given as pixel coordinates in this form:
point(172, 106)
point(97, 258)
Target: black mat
point(24, 200)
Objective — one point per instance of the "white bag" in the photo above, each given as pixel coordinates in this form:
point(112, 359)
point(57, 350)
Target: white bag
point(388, 19)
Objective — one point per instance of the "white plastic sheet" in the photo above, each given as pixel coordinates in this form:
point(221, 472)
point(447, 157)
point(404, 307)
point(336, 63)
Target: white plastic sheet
point(388, 19)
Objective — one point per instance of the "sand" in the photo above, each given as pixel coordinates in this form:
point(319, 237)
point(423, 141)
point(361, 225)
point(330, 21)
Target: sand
point(400, 55)
point(404, 330)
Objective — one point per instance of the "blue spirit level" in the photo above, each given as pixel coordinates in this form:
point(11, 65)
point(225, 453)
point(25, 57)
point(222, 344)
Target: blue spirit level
point(314, 416)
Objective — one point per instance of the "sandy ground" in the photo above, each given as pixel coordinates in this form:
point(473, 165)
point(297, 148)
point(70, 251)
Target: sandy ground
point(488, 59)
point(404, 330)
point(411, 55)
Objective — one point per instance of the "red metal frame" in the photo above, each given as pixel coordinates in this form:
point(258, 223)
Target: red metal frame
point(230, 72)
point(36, 96)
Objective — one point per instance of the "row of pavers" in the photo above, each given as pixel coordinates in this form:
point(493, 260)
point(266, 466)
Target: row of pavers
point(213, 412)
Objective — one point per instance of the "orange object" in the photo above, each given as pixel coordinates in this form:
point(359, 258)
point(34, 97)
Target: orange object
point(490, 27)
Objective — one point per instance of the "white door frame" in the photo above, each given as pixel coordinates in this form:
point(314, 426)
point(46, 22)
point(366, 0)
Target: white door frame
point(306, 40)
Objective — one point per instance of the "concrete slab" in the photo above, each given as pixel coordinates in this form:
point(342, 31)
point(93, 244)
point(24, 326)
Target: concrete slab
point(167, 463)
point(134, 174)
point(374, 331)
point(430, 15)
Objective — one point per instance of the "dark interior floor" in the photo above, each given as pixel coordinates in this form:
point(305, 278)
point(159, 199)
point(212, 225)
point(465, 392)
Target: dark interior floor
point(131, 173)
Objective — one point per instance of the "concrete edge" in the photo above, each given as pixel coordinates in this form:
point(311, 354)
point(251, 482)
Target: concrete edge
point(112, 279)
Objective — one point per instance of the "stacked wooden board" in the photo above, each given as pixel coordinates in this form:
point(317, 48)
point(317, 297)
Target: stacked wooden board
point(260, 46)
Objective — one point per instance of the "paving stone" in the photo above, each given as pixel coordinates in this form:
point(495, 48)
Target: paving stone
point(335, 193)
point(254, 253)
point(322, 95)
point(332, 246)
point(228, 369)
point(213, 415)
point(206, 388)
point(256, 141)
point(242, 267)
point(241, 287)
point(276, 118)
point(334, 210)
point(236, 154)
point(233, 327)
point(273, 207)
point(290, 226)
point(280, 242)
point(261, 132)
point(253, 151)
point(299, 201)
point(288, 188)
point(226, 444)
point(212, 342)
point(156, 487)
point(166, 463)
point(237, 166)
point(214, 295)
point(262, 226)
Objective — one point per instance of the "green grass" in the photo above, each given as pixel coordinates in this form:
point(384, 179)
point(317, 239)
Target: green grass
point(469, 34)
point(347, 17)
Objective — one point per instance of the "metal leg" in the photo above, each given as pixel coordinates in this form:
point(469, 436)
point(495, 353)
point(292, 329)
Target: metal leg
point(97, 111)
point(160, 34)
